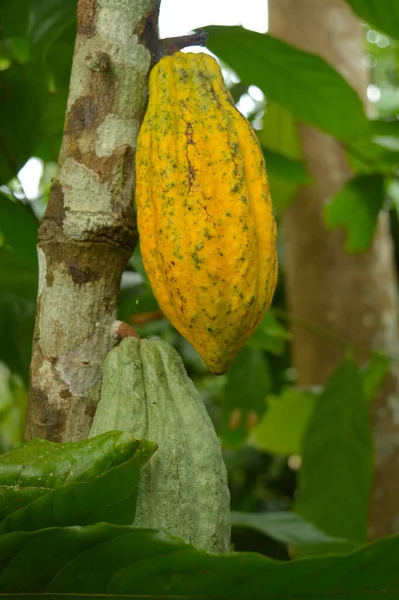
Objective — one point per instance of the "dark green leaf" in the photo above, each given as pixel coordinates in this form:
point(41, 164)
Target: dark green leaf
point(40, 466)
point(356, 208)
point(113, 561)
point(19, 228)
point(110, 496)
point(18, 284)
point(304, 83)
point(14, 17)
point(286, 527)
point(19, 122)
point(17, 315)
point(48, 20)
point(248, 383)
point(382, 14)
point(335, 477)
point(282, 427)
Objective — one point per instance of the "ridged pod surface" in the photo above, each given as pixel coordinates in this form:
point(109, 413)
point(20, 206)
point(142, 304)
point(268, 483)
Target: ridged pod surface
point(183, 490)
point(207, 232)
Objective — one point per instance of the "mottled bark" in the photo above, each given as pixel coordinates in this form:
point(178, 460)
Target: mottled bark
point(353, 296)
point(88, 232)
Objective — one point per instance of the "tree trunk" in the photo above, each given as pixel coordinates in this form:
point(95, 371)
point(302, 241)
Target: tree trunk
point(353, 296)
point(88, 232)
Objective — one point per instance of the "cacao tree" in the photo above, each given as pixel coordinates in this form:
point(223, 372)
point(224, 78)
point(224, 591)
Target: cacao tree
point(68, 502)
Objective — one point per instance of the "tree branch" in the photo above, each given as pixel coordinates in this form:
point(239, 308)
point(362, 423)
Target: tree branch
point(88, 231)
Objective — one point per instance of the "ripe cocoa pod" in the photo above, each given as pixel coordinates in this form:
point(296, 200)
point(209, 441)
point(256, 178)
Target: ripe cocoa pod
point(207, 232)
point(183, 490)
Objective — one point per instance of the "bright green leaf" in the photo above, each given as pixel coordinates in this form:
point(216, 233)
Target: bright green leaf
point(356, 208)
point(337, 449)
point(283, 167)
point(304, 83)
point(373, 375)
point(282, 427)
point(382, 14)
point(280, 134)
point(270, 335)
point(248, 382)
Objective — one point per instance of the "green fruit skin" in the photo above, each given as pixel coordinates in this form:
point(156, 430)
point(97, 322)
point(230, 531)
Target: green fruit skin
point(147, 392)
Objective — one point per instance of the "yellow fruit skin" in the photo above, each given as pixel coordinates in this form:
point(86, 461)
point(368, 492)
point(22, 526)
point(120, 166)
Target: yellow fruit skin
point(207, 232)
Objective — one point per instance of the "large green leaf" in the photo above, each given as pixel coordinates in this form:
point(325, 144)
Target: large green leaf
point(108, 496)
point(114, 562)
point(248, 383)
point(382, 14)
point(48, 20)
point(284, 423)
point(302, 82)
point(356, 208)
point(335, 477)
point(39, 466)
point(286, 527)
point(280, 134)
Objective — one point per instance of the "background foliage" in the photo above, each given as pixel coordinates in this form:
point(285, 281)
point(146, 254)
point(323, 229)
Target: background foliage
point(299, 460)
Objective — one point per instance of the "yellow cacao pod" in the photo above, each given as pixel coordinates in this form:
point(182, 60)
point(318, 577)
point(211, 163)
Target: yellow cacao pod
point(207, 232)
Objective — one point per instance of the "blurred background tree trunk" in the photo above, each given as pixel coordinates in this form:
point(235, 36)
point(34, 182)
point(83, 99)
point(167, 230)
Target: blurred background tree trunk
point(352, 296)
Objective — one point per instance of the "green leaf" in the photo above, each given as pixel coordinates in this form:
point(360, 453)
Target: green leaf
point(388, 128)
point(110, 496)
point(17, 315)
point(280, 134)
point(335, 477)
point(14, 17)
point(248, 383)
point(382, 14)
point(373, 375)
point(356, 208)
point(39, 466)
point(283, 167)
point(373, 155)
point(304, 83)
point(18, 284)
point(19, 228)
point(48, 20)
point(113, 561)
point(286, 527)
point(282, 427)
point(270, 336)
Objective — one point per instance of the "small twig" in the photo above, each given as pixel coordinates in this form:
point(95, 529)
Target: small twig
point(322, 333)
point(122, 330)
point(173, 44)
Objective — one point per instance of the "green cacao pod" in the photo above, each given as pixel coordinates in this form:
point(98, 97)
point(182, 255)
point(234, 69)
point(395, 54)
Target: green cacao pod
point(147, 392)
point(204, 212)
